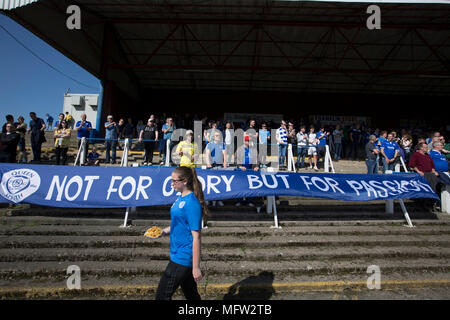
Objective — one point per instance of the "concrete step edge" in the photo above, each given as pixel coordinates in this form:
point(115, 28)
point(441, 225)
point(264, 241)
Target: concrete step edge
point(214, 288)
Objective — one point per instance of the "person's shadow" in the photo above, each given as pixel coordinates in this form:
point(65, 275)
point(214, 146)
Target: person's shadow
point(252, 288)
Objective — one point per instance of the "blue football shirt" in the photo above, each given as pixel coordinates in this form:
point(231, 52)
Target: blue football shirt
point(389, 148)
point(186, 216)
point(83, 132)
point(323, 141)
point(439, 160)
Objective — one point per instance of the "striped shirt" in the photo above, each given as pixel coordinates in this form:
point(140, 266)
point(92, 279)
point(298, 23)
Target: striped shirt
point(302, 138)
point(282, 135)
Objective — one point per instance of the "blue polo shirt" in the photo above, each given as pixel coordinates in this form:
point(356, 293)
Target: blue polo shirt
point(216, 152)
point(389, 148)
point(110, 132)
point(83, 132)
point(186, 216)
point(322, 142)
point(168, 134)
point(380, 140)
point(439, 160)
point(263, 134)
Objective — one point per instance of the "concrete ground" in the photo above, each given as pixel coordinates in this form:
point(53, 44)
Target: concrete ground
point(316, 254)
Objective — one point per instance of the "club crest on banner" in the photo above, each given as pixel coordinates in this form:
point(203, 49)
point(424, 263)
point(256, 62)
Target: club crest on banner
point(19, 184)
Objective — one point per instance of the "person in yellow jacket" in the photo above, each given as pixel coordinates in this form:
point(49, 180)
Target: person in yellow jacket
point(186, 149)
point(70, 120)
point(62, 142)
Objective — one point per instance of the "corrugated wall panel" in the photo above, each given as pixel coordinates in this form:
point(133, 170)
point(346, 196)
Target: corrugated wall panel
point(13, 4)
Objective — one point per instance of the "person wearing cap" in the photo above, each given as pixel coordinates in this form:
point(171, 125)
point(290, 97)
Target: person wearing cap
point(216, 154)
point(246, 159)
point(371, 155)
point(111, 133)
point(264, 139)
point(187, 149)
point(167, 129)
point(149, 134)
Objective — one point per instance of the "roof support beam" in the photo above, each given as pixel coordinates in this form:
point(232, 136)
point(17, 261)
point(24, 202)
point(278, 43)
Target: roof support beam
point(438, 47)
point(279, 48)
point(275, 68)
point(201, 46)
point(431, 26)
point(238, 45)
point(161, 43)
point(256, 54)
point(314, 48)
point(372, 79)
point(445, 64)
point(350, 43)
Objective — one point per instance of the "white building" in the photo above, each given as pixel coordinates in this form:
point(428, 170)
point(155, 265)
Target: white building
point(76, 104)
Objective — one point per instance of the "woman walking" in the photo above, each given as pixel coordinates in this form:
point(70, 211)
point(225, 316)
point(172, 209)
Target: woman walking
point(185, 242)
point(62, 142)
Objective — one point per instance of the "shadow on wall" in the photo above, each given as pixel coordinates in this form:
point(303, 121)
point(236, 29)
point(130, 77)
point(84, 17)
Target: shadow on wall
point(252, 288)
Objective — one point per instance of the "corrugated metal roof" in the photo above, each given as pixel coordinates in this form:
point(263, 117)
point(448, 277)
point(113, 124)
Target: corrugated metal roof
point(13, 4)
point(297, 46)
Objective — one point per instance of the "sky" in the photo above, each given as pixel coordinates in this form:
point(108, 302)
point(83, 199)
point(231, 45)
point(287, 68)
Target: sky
point(28, 84)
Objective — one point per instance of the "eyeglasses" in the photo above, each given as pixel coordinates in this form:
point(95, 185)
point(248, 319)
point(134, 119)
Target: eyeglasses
point(174, 180)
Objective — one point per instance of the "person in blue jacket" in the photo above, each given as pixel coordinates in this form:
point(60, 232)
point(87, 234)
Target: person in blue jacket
point(185, 241)
point(390, 152)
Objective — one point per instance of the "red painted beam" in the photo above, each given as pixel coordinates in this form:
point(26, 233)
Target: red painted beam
point(272, 68)
point(434, 26)
point(161, 44)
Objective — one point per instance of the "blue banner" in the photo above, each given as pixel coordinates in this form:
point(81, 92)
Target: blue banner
point(114, 187)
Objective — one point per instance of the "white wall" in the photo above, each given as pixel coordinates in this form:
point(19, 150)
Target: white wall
point(88, 105)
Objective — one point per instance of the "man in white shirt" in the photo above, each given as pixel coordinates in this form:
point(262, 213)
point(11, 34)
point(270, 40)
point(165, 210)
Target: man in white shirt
point(337, 138)
point(302, 146)
point(229, 141)
point(281, 138)
point(312, 148)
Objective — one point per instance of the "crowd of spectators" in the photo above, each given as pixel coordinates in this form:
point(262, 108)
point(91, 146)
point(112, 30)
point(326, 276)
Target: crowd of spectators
point(426, 153)
point(382, 150)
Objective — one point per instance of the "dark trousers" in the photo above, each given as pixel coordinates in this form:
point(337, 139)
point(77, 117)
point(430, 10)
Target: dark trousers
point(282, 148)
point(21, 144)
point(36, 147)
point(174, 276)
point(337, 150)
point(371, 166)
point(301, 153)
point(387, 166)
point(111, 147)
point(354, 150)
point(61, 153)
point(321, 151)
point(149, 147)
